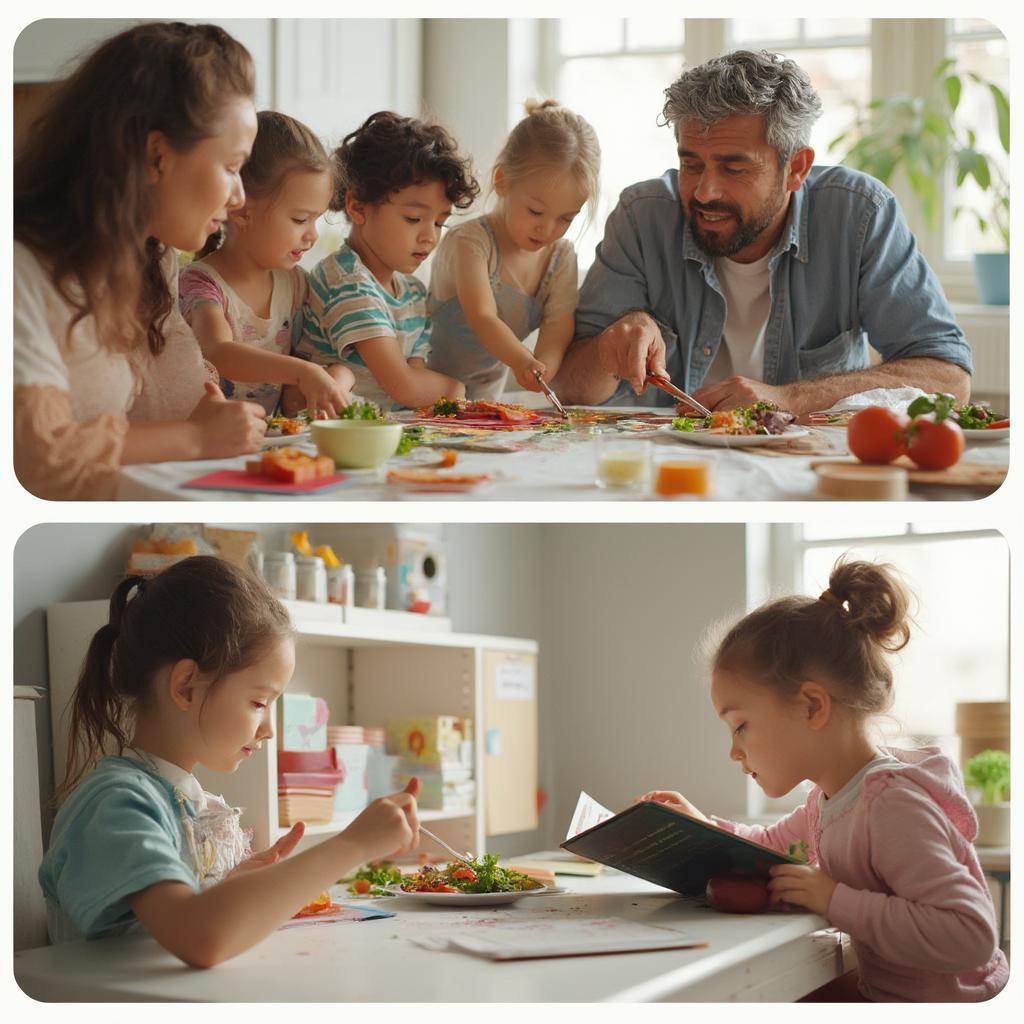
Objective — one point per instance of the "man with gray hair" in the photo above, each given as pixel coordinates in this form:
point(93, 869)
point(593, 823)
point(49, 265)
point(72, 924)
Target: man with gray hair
point(748, 274)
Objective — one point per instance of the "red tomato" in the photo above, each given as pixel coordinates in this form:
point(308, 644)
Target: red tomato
point(361, 885)
point(736, 892)
point(467, 873)
point(876, 435)
point(935, 445)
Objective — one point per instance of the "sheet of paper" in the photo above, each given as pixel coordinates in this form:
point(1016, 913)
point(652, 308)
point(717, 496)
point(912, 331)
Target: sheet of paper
point(522, 940)
point(514, 679)
point(588, 813)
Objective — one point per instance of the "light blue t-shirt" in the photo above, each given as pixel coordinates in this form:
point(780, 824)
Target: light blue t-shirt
point(118, 832)
point(845, 271)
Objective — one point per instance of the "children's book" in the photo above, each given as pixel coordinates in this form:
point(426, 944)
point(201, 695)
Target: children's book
point(668, 847)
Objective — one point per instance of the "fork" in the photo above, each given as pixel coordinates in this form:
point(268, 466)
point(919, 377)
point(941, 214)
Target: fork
point(463, 858)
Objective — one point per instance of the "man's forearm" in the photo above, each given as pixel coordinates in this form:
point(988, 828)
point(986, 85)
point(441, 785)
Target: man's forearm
point(928, 374)
point(581, 380)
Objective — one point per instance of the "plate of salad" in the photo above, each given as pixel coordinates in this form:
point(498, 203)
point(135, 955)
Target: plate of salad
point(747, 426)
point(980, 423)
point(477, 883)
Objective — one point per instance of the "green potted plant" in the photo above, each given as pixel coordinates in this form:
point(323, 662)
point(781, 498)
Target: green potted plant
point(921, 136)
point(988, 773)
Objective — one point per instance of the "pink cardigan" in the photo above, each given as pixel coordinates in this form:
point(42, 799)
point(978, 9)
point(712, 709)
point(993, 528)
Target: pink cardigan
point(911, 893)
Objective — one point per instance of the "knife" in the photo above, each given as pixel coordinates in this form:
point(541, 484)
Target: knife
point(670, 389)
point(552, 397)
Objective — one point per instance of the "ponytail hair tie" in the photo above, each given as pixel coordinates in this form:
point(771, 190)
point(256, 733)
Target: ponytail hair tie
point(829, 598)
point(140, 584)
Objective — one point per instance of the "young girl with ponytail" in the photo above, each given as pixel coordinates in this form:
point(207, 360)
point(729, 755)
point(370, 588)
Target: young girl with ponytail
point(186, 672)
point(889, 832)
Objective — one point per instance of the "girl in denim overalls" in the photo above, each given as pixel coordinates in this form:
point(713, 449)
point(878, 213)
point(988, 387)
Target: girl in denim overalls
point(500, 277)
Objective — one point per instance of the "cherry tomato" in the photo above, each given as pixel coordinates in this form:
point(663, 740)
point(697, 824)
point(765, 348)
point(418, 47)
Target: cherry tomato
point(736, 892)
point(935, 445)
point(467, 873)
point(361, 885)
point(876, 435)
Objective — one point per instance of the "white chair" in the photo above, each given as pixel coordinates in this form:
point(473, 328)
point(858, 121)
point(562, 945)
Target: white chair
point(29, 905)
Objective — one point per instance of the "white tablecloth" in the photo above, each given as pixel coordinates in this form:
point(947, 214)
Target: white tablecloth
point(556, 467)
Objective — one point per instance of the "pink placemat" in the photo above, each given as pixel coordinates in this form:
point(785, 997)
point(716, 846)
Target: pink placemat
point(239, 480)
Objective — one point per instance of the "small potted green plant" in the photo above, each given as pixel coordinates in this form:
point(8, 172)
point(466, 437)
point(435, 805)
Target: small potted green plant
point(921, 137)
point(988, 773)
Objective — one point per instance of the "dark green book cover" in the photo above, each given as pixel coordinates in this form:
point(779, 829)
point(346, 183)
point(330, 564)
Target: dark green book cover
point(665, 846)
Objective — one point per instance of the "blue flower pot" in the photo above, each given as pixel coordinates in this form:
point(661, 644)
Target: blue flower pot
point(992, 272)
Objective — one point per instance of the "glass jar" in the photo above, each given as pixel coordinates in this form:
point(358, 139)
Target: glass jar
point(311, 579)
point(279, 572)
point(372, 588)
point(341, 585)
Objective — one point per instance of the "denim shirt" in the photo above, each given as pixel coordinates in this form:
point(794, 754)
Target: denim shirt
point(845, 269)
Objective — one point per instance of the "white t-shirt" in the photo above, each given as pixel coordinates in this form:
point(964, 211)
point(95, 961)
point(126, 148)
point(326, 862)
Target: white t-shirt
point(747, 305)
point(830, 808)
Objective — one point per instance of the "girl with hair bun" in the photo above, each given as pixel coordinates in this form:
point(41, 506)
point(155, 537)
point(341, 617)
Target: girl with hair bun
point(888, 832)
point(498, 278)
point(186, 672)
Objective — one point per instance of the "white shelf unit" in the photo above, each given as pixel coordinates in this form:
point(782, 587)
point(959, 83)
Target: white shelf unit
point(367, 674)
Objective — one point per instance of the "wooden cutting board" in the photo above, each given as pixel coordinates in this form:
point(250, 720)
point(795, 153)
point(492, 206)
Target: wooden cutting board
point(963, 474)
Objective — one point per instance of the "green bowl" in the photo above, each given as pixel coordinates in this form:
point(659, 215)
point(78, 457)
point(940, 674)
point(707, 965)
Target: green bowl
point(356, 444)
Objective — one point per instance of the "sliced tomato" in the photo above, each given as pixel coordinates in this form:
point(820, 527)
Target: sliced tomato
point(997, 425)
point(467, 873)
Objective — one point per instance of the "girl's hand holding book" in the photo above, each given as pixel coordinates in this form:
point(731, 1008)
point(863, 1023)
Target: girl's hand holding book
point(672, 799)
point(802, 886)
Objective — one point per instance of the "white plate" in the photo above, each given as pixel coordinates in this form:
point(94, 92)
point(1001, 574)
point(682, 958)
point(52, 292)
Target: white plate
point(999, 434)
point(283, 440)
point(466, 899)
point(733, 440)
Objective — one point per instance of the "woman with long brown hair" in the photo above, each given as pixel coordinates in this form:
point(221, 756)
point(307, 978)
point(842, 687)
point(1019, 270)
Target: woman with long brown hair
point(137, 154)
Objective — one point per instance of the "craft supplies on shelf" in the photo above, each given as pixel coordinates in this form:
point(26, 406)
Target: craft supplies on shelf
point(310, 579)
point(372, 588)
point(306, 784)
point(432, 740)
point(279, 572)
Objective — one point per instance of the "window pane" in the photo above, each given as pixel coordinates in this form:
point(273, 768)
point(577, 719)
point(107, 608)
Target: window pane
point(654, 33)
point(622, 98)
point(988, 58)
point(961, 25)
point(821, 529)
point(747, 31)
point(589, 35)
point(960, 648)
point(837, 28)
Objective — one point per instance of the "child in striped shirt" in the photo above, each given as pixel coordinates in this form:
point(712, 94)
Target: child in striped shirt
point(400, 178)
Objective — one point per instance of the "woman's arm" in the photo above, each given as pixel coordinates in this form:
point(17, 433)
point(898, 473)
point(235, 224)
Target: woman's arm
point(411, 386)
point(473, 287)
point(218, 923)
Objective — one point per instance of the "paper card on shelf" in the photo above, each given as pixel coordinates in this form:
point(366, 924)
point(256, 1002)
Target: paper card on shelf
point(514, 679)
point(588, 813)
point(530, 940)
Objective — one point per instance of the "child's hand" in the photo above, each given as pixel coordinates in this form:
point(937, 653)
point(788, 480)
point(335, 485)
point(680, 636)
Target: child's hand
point(525, 373)
point(227, 428)
point(389, 827)
point(321, 391)
point(801, 885)
point(280, 849)
point(672, 799)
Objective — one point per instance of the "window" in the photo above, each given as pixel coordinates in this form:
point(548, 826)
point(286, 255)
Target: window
point(959, 649)
point(835, 53)
point(978, 47)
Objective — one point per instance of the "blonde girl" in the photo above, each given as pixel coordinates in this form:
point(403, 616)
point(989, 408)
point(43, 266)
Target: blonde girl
point(498, 278)
point(889, 832)
point(186, 672)
point(243, 295)
point(137, 154)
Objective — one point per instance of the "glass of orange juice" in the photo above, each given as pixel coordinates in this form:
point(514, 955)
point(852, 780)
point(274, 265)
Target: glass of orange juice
point(683, 477)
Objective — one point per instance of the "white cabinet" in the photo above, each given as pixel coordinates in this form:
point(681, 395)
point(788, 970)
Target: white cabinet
point(368, 674)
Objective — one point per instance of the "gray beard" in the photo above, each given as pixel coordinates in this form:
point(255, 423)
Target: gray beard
point(747, 230)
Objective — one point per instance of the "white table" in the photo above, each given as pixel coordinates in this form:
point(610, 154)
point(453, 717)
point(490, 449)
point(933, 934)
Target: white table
point(557, 467)
point(763, 957)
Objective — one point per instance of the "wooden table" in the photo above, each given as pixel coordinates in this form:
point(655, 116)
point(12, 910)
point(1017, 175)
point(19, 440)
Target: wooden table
point(765, 957)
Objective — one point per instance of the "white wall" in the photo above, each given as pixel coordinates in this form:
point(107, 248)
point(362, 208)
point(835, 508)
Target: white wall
point(625, 607)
